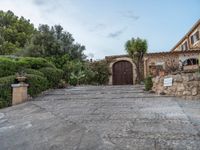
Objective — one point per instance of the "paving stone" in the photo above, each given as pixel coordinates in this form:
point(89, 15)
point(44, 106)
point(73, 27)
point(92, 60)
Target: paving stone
point(101, 118)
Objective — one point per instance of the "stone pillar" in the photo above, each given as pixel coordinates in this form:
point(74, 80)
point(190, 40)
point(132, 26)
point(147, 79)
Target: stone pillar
point(19, 93)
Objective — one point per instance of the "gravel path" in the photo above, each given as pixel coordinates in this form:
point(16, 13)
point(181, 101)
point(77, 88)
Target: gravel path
point(101, 118)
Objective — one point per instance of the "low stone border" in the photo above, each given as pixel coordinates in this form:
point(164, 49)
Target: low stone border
point(186, 85)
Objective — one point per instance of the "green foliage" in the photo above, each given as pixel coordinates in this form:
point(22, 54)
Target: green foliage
point(53, 41)
point(19, 36)
point(3, 103)
point(7, 67)
point(148, 83)
point(53, 75)
point(72, 68)
point(88, 73)
point(33, 71)
point(6, 91)
point(34, 63)
point(62, 84)
point(10, 66)
point(136, 48)
point(76, 79)
point(37, 84)
point(59, 61)
point(99, 73)
point(15, 32)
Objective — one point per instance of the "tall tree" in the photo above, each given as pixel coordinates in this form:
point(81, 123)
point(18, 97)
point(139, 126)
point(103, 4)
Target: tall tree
point(136, 48)
point(53, 41)
point(15, 32)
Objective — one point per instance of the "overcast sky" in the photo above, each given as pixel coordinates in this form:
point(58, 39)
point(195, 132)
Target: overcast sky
point(104, 26)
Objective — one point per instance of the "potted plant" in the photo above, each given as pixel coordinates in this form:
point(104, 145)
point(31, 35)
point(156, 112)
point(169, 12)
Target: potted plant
point(21, 77)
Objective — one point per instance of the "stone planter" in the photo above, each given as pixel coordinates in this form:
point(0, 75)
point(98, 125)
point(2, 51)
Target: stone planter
point(21, 79)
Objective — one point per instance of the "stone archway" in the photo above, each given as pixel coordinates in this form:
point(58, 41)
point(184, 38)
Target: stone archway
point(114, 60)
point(122, 73)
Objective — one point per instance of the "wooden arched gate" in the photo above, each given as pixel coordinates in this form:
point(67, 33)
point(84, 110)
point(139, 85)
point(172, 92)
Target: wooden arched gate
point(122, 73)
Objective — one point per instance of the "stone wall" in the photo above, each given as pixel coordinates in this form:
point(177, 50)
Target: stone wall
point(170, 61)
point(111, 60)
point(186, 85)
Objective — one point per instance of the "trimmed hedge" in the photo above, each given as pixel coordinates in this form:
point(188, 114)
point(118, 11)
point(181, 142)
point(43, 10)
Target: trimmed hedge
point(53, 75)
point(6, 91)
point(47, 76)
point(7, 67)
point(10, 66)
point(37, 84)
point(34, 63)
point(33, 71)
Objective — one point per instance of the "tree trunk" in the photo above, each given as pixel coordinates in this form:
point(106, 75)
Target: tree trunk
point(138, 79)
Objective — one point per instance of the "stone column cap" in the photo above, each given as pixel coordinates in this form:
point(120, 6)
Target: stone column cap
point(19, 85)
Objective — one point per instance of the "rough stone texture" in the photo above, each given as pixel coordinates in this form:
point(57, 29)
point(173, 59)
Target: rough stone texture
point(186, 85)
point(19, 93)
point(111, 60)
point(101, 118)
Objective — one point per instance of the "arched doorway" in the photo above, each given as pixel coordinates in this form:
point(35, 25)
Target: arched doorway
point(122, 73)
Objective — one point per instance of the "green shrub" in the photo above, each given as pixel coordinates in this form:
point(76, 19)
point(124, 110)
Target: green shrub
point(6, 91)
point(4, 103)
point(10, 66)
point(62, 84)
point(33, 71)
point(53, 75)
point(99, 73)
point(148, 83)
point(78, 78)
point(34, 63)
point(7, 67)
point(37, 84)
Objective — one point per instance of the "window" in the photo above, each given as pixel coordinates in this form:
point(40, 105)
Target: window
point(191, 61)
point(195, 37)
point(184, 47)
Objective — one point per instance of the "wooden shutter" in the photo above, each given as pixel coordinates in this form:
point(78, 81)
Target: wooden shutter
point(192, 39)
point(186, 45)
point(197, 35)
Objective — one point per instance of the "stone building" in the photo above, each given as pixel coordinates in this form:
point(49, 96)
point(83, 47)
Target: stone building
point(162, 63)
point(191, 40)
point(183, 56)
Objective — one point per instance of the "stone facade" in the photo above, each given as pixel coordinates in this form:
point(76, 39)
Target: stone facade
point(185, 85)
point(184, 55)
point(111, 60)
point(169, 62)
point(190, 41)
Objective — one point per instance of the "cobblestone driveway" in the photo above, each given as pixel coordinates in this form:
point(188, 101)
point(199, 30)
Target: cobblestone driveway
point(101, 118)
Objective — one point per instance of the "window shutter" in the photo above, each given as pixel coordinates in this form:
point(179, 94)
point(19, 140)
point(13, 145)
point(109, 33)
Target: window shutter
point(197, 35)
point(192, 39)
point(186, 46)
point(182, 47)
